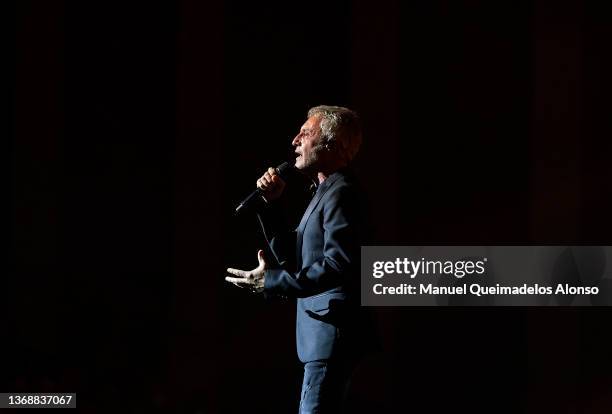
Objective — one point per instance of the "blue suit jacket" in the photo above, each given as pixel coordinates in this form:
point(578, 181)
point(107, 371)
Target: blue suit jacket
point(324, 266)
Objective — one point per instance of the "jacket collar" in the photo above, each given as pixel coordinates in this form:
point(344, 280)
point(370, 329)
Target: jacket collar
point(322, 188)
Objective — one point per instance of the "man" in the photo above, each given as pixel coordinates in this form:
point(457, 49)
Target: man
point(319, 262)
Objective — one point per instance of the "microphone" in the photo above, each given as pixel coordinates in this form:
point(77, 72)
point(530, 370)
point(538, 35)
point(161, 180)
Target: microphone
point(282, 170)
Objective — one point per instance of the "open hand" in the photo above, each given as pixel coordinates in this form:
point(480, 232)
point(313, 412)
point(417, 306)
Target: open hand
point(252, 279)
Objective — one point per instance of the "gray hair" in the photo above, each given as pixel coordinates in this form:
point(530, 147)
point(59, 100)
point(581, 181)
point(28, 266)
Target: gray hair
point(341, 126)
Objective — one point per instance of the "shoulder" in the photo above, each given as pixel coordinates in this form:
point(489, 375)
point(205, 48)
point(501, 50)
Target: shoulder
point(343, 186)
point(342, 195)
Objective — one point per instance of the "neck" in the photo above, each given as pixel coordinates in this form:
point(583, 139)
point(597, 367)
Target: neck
point(323, 172)
point(321, 176)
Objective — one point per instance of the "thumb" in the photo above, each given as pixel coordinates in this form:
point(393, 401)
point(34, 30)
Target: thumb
point(260, 258)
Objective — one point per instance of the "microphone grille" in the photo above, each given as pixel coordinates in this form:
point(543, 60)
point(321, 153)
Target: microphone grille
point(284, 169)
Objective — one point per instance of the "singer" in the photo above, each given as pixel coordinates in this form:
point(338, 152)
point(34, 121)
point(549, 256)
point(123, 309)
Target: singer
point(319, 262)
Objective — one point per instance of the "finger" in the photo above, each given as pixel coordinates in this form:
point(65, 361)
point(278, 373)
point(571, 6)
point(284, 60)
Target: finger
point(238, 280)
point(242, 285)
point(260, 258)
point(238, 285)
point(272, 171)
point(237, 272)
point(277, 180)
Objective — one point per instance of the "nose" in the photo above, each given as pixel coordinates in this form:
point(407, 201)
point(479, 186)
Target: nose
point(296, 140)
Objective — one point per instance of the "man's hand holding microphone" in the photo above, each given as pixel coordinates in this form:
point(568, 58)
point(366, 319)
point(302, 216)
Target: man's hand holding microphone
point(270, 186)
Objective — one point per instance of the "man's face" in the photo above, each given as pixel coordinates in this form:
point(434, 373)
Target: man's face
point(308, 144)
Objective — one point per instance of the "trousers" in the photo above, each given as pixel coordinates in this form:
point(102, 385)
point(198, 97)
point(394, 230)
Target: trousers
point(324, 387)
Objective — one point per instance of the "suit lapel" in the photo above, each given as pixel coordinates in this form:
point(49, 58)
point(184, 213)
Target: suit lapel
point(313, 204)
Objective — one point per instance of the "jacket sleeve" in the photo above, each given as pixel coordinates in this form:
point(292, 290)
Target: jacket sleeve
point(340, 252)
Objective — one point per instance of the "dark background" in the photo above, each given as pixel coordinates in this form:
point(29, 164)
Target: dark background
point(137, 126)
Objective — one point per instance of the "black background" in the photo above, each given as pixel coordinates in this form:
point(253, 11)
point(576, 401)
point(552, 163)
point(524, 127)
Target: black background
point(137, 126)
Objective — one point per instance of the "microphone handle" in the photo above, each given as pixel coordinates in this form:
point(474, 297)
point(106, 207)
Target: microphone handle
point(247, 200)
